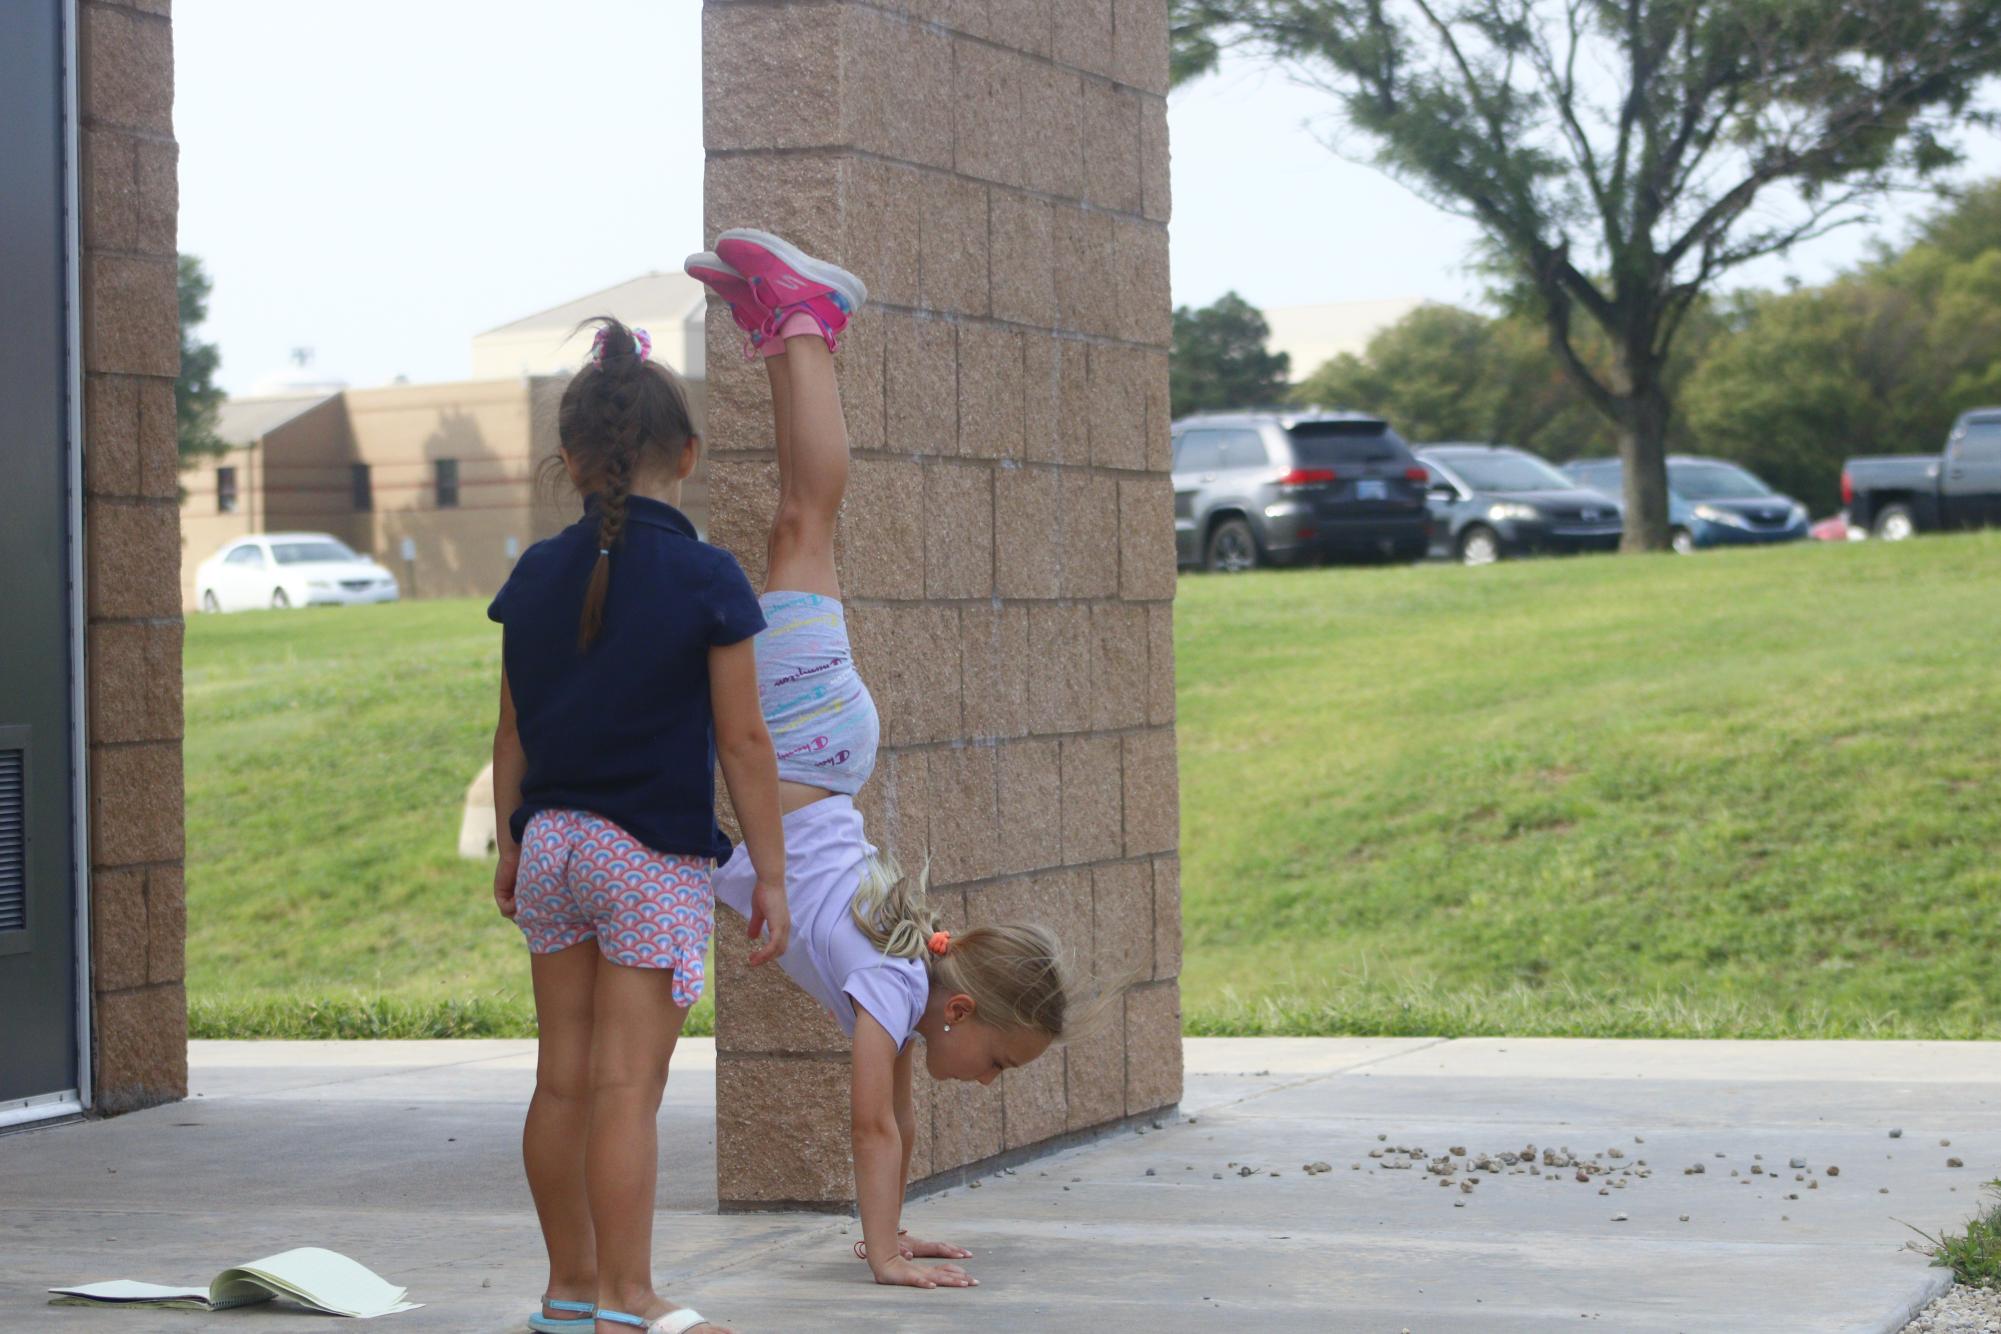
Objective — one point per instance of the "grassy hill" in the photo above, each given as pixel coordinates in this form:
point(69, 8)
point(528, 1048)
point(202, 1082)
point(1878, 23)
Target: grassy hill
point(1740, 794)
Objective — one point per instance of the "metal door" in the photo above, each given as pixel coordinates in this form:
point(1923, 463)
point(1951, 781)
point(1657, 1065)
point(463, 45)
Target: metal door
point(38, 883)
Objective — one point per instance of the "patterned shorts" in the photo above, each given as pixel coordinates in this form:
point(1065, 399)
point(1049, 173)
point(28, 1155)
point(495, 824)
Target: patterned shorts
point(583, 877)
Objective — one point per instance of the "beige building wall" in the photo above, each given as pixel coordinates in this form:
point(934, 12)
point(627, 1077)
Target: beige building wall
point(299, 476)
point(997, 173)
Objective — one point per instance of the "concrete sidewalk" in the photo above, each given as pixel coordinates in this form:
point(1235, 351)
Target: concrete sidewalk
point(404, 1155)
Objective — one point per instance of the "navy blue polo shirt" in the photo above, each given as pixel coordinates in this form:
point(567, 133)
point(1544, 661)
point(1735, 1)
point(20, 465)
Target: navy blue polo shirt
point(623, 729)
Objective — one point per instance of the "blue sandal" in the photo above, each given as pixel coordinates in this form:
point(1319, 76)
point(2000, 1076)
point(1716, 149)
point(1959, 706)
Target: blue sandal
point(674, 1322)
point(584, 1322)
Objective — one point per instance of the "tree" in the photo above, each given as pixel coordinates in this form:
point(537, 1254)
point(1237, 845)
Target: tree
point(197, 399)
point(1441, 373)
point(1620, 156)
point(1879, 361)
point(1219, 359)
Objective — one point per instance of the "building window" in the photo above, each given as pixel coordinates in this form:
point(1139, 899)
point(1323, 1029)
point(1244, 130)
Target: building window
point(448, 484)
point(225, 490)
point(364, 495)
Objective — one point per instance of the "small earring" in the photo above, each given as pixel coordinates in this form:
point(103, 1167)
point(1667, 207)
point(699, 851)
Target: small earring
point(948, 1028)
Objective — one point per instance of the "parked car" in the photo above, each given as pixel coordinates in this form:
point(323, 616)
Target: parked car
point(1711, 502)
point(1492, 501)
point(1896, 496)
point(290, 570)
point(1252, 488)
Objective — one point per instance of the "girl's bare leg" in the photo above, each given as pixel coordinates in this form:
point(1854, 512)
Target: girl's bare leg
point(812, 468)
point(635, 1029)
point(552, 1140)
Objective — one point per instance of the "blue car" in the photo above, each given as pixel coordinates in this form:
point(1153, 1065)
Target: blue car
point(1711, 502)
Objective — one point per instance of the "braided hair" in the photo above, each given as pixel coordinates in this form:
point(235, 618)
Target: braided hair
point(621, 412)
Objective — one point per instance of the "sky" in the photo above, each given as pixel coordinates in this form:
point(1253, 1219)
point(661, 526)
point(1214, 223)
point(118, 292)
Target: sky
point(379, 181)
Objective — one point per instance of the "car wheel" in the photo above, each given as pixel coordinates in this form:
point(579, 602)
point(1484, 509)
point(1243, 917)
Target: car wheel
point(1682, 542)
point(278, 600)
point(1479, 545)
point(1895, 524)
point(208, 601)
point(1233, 547)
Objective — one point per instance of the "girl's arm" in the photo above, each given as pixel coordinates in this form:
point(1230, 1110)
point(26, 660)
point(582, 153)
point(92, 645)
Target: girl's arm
point(906, 1124)
point(510, 763)
point(882, 1161)
point(750, 771)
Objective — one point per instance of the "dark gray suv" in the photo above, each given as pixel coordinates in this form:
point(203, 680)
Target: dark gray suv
point(1252, 488)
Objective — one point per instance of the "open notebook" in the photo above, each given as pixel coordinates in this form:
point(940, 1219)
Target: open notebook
point(321, 1280)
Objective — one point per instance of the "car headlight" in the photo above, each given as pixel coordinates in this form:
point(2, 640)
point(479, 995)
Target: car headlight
point(1796, 515)
point(1711, 514)
point(318, 583)
point(1509, 509)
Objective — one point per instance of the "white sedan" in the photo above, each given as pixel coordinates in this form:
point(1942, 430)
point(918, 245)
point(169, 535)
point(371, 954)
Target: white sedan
point(290, 570)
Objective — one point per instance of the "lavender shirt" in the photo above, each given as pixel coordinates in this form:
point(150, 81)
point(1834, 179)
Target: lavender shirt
point(830, 958)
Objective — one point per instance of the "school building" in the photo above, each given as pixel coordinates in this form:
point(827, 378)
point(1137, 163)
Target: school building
point(436, 481)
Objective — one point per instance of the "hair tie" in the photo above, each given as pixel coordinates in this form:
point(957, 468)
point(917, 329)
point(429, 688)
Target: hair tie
point(604, 551)
point(642, 345)
point(941, 941)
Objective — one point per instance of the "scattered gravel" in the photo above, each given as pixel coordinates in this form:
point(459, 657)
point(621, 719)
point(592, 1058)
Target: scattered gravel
point(1961, 1310)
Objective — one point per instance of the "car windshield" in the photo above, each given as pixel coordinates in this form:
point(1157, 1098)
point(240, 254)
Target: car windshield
point(1500, 471)
point(1714, 481)
point(1328, 444)
point(306, 553)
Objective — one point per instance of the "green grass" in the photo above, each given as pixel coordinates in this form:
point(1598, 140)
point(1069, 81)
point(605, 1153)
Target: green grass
point(328, 754)
point(1974, 1256)
point(1745, 794)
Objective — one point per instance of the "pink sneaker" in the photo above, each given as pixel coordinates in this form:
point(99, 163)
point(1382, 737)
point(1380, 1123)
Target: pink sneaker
point(785, 280)
point(750, 314)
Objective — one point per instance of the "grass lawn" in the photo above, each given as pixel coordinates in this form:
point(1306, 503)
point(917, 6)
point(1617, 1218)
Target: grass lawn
point(1745, 794)
point(1740, 794)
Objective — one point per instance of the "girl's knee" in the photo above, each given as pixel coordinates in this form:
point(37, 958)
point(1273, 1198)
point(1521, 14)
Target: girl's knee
point(799, 527)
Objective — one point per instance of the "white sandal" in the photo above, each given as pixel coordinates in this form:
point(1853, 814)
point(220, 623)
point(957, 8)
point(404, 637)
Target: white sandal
point(674, 1322)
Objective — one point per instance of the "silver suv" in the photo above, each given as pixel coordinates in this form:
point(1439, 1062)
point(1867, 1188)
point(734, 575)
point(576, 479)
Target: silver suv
point(1252, 488)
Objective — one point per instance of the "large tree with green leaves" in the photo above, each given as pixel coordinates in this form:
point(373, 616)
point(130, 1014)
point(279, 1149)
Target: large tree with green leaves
point(1879, 361)
point(1220, 359)
point(1441, 373)
point(197, 398)
point(1621, 156)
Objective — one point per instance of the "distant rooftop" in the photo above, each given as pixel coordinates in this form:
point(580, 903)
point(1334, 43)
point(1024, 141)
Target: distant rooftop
point(651, 293)
point(245, 421)
point(1315, 335)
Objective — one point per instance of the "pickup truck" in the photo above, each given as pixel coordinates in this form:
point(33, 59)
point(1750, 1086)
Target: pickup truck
point(1894, 496)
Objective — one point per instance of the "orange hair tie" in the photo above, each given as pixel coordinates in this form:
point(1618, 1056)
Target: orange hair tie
point(941, 941)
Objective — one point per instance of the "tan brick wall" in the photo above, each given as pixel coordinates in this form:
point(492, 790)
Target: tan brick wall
point(997, 171)
point(131, 353)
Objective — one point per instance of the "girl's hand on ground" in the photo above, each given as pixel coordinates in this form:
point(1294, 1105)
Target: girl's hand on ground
point(504, 875)
point(910, 1247)
point(901, 1273)
point(769, 913)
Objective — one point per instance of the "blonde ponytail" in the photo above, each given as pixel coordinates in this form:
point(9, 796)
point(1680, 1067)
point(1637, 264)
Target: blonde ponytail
point(890, 909)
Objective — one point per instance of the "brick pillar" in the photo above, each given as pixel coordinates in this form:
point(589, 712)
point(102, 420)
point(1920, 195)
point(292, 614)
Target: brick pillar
point(132, 654)
point(997, 171)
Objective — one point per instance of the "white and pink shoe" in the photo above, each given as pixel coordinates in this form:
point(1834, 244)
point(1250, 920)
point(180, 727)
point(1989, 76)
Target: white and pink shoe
point(786, 282)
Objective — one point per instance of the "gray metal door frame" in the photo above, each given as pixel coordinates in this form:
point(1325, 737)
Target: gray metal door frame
point(71, 1101)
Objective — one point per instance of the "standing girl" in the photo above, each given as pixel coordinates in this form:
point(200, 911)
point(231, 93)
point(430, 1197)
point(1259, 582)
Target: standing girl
point(627, 673)
point(867, 948)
